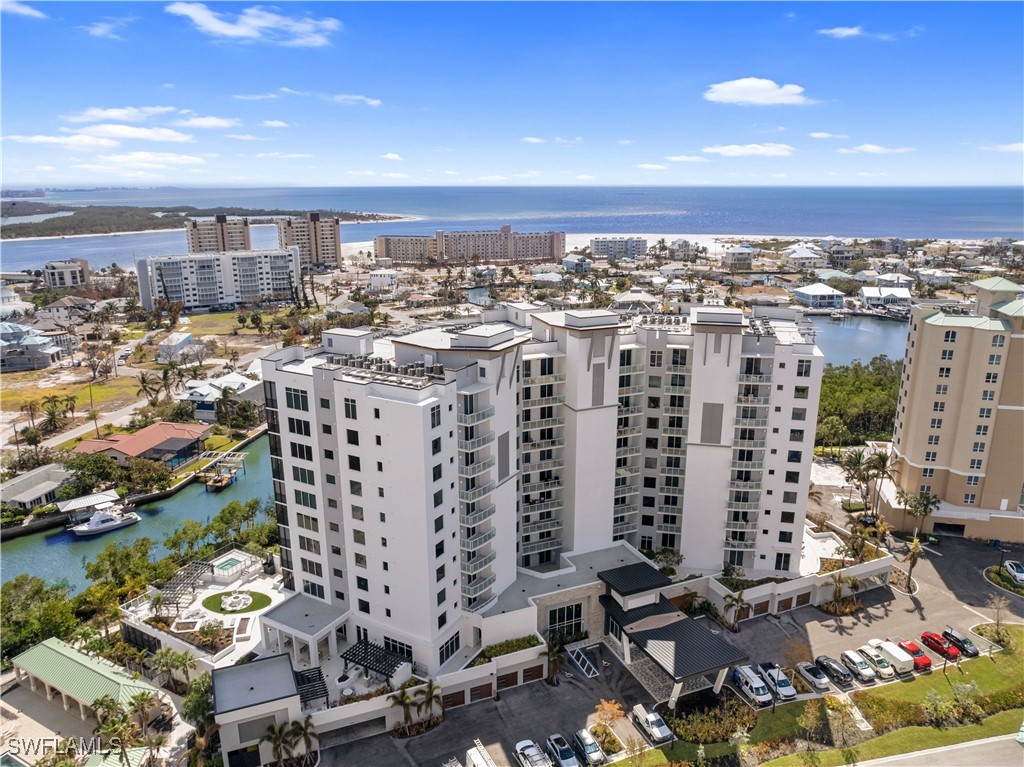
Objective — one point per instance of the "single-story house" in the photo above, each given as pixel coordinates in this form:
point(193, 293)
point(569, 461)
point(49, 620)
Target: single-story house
point(35, 488)
point(343, 306)
point(819, 296)
point(170, 443)
point(894, 280)
point(879, 297)
point(206, 394)
point(549, 278)
point(170, 348)
point(866, 275)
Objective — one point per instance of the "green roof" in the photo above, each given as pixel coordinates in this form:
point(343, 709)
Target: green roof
point(998, 285)
point(112, 758)
point(1011, 308)
point(967, 321)
point(78, 675)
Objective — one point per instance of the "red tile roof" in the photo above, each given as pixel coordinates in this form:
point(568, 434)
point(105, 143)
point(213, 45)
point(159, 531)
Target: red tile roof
point(136, 444)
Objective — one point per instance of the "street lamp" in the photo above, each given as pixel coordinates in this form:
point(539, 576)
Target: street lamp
point(1002, 555)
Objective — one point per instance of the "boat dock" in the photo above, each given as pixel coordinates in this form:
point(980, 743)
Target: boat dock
point(222, 469)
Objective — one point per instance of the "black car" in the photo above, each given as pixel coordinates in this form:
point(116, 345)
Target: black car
point(962, 643)
point(834, 670)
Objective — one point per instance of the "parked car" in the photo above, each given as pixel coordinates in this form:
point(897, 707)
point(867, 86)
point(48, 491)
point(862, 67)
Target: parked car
point(921, 660)
point(813, 675)
point(858, 666)
point(940, 645)
point(777, 682)
point(561, 752)
point(1015, 570)
point(587, 748)
point(750, 684)
point(961, 642)
point(900, 660)
point(651, 724)
point(529, 755)
point(834, 670)
point(881, 666)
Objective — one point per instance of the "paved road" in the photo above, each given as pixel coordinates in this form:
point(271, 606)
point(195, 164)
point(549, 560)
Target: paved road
point(1001, 751)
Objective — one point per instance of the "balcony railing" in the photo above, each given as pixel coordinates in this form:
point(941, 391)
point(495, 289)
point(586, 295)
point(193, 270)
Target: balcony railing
point(543, 423)
point(754, 378)
point(731, 524)
point(546, 545)
point(551, 463)
point(670, 509)
point(478, 516)
point(675, 410)
point(556, 399)
point(632, 389)
point(746, 545)
point(625, 510)
point(470, 590)
point(742, 506)
point(627, 471)
point(478, 564)
point(677, 389)
point(539, 487)
point(474, 543)
point(476, 493)
point(631, 410)
point(675, 431)
point(754, 444)
point(624, 528)
point(680, 451)
point(677, 369)
point(529, 528)
point(627, 431)
point(630, 369)
point(625, 490)
point(746, 401)
point(747, 465)
point(468, 419)
point(545, 379)
point(477, 468)
point(539, 506)
point(743, 422)
point(468, 445)
point(543, 444)
point(672, 471)
point(739, 484)
point(669, 528)
point(628, 450)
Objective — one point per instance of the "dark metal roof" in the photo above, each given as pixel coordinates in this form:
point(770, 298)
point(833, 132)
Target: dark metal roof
point(627, 617)
point(634, 579)
point(685, 649)
point(373, 657)
point(311, 685)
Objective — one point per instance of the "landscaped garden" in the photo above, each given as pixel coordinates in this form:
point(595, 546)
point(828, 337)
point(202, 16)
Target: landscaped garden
point(215, 603)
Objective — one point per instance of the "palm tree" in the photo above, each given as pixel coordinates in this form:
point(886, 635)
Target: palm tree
point(854, 471)
point(282, 743)
point(736, 604)
point(94, 415)
point(403, 700)
point(840, 582)
point(233, 359)
point(814, 493)
point(106, 708)
point(140, 704)
point(165, 661)
point(226, 405)
point(881, 467)
point(428, 696)
point(304, 732)
point(53, 408)
point(918, 506)
point(913, 554)
point(186, 662)
point(149, 387)
point(33, 438)
point(69, 405)
point(154, 742)
point(196, 755)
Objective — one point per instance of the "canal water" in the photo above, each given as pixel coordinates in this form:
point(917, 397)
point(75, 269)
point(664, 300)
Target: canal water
point(851, 338)
point(59, 555)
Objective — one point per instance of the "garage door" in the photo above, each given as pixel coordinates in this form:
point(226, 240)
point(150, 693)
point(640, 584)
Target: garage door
point(803, 599)
point(785, 604)
point(533, 673)
point(480, 692)
point(508, 680)
point(761, 608)
point(451, 700)
point(947, 528)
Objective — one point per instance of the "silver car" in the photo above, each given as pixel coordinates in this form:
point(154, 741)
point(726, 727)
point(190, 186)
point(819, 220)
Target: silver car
point(587, 748)
point(813, 675)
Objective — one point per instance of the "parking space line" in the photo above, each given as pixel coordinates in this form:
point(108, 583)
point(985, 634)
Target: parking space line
point(980, 615)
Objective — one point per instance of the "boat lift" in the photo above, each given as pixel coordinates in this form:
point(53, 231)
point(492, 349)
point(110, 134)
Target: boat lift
point(222, 469)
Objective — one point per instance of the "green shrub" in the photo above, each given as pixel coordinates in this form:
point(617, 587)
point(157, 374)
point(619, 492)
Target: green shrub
point(1003, 700)
point(714, 725)
point(511, 645)
point(999, 577)
point(606, 739)
point(886, 715)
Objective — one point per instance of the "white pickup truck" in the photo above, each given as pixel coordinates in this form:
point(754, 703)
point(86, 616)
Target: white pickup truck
point(651, 724)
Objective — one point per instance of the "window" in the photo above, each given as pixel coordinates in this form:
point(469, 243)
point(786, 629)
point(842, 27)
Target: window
point(656, 359)
point(355, 488)
point(307, 522)
point(305, 452)
point(950, 337)
point(448, 649)
point(437, 472)
point(441, 596)
point(930, 456)
point(782, 561)
point(788, 517)
point(439, 548)
point(924, 489)
point(803, 368)
point(998, 341)
point(936, 423)
point(946, 354)
point(311, 567)
point(336, 550)
point(442, 619)
point(978, 447)
point(988, 395)
point(435, 446)
point(303, 475)
point(298, 426)
point(796, 435)
point(383, 543)
point(928, 473)
point(352, 436)
point(654, 382)
point(800, 392)
point(985, 412)
point(785, 537)
point(357, 512)
point(362, 583)
point(981, 431)
point(938, 407)
point(995, 359)
point(439, 574)
point(328, 454)
point(991, 378)
point(330, 479)
point(975, 464)
point(654, 402)
point(792, 477)
point(354, 463)
point(944, 372)
point(296, 399)
point(969, 499)
point(303, 498)
point(933, 439)
point(942, 389)
point(313, 589)
point(435, 416)
point(380, 492)
point(438, 498)
point(566, 621)
point(325, 403)
point(794, 456)
point(350, 408)
point(358, 536)
point(309, 544)
point(438, 523)
point(652, 423)
point(360, 560)
point(789, 496)
point(973, 480)
point(398, 648)
point(364, 606)
point(799, 414)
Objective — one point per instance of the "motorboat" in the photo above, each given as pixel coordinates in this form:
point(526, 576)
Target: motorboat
point(108, 516)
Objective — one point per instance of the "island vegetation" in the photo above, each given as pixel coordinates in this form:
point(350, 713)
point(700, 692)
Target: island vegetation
point(858, 402)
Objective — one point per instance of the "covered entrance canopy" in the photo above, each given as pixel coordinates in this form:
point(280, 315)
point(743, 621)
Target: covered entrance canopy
point(304, 627)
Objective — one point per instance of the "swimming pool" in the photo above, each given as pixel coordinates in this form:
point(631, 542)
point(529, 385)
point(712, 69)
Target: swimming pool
point(227, 564)
point(8, 760)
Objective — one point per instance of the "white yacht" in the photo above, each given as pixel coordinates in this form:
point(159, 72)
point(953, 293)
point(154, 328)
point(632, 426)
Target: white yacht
point(107, 516)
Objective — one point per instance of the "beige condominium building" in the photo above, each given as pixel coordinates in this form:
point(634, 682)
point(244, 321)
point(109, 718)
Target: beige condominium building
point(218, 234)
point(72, 273)
point(317, 237)
point(502, 246)
point(960, 419)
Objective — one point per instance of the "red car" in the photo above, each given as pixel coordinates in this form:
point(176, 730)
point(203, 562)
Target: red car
point(921, 661)
point(940, 644)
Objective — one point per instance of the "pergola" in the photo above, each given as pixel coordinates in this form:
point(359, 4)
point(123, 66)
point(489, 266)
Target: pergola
point(373, 657)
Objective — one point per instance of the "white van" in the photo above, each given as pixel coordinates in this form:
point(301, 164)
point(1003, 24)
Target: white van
point(900, 660)
point(751, 685)
point(858, 666)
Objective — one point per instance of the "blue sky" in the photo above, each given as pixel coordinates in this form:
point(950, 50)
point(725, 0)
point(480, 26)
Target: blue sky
point(323, 93)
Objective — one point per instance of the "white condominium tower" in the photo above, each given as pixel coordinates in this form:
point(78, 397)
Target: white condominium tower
point(317, 238)
point(414, 475)
point(502, 246)
point(218, 234)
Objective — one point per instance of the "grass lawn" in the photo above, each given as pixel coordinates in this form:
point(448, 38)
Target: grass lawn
point(104, 431)
point(17, 392)
point(916, 739)
point(259, 601)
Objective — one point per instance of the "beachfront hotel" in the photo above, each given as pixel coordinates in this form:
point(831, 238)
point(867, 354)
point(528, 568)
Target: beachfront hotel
point(424, 481)
point(204, 280)
point(317, 237)
point(960, 415)
point(218, 234)
point(458, 249)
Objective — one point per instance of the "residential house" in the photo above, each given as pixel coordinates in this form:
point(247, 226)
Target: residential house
point(35, 488)
point(24, 348)
point(170, 348)
point(11, 303)
point(207, 394)
point(866, 275)
point(739, 258)
point(935, 277)
point(68, 308)
point(804, 256)
point(894, 280)
point(577, 263)
point(819, 296)
point(382, 281)
point(170, 443)
point(883, 297)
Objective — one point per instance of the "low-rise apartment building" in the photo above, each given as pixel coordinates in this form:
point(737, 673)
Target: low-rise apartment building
point(70, 273)
point(618, 247)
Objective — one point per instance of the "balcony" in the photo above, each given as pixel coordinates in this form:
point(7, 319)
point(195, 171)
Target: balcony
point(675, 410)
point(627, 431)
point(625, 490)
point(475, 469)
point(625, 452)
point(738, 484)
point(755, 444)
point(474, 543)
point(530, 528)
point(743, 422)
point(468, 419)
point(747, 401)
point(625, 510)
point(672, 471)
point(546, 545)
point(551, 463)
point(544, 423)
point(754, 378)
point(624, 528)
point(469, 445)
point(545, 379)
point(670, 509)
point(634, 389)
point(630, 369)
point(627, 471)
point(540, 487)
point(677, 389)
point(539, 506)
point(476, 493)
point(680, 451)
point(543, 444)
point(677, 369)
point(742, 506)
point(744, 545)
point(557, 399)
point(675, 431)
point(470, 590)
point(731, 524)
point(478, 516)
point(476, 565)
point(625, 412)
point(668, 528)
point(747, 465)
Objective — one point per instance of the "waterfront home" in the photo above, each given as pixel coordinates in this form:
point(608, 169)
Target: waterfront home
point(819, 296)
point(35, 488)
point(882, 297)
point(935, 277)
point(170, 443)
point(382, 281)
point(207, 394)
point(69, 308)
point(11, 303)
point(171, 347)
point(25, 348)
point(866, 275)
point(804, 256)
point(577, 263)
point(739, 257)
point(894, 280)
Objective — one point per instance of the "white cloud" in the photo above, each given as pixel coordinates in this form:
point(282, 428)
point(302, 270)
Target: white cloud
point(778, 175)
point(650, 166)
point(750, 150)
point(875, 149)
point(74, 141)
point(107, 28)
point(135, 132)
point(151, 160)
point(865, 174)
point(569, 141)
point(686, 158)
point(348, 98)
point(208, 122)
point(626, 142)
point(825, 134)
point(274, 124)
point(168, 86)
point(282, 155)
point(756, 91)
point(362, 173)
point(842, 32)
point(391, 156)
point(255, 96)
point(258, 24)
point(532, 140)
point(244, 137)
point(528, 174)
point(20, 9)
point(46, 168)
point(1019, 147)
point(584, 177)
point(451, 173)
point(491, 178)
point(122, 114)
point(394, 175)
point(442, 149)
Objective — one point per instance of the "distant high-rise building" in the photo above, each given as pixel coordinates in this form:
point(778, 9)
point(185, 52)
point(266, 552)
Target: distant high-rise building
point(218, 234)
point(317, 238)
point(498, 247)
point(960, 415)
point(72, 273)
point(618, 247)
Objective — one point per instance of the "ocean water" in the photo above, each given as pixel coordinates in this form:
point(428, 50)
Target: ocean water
point(918, 212)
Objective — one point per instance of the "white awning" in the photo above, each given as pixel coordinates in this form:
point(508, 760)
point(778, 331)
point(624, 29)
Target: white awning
point(88, 501)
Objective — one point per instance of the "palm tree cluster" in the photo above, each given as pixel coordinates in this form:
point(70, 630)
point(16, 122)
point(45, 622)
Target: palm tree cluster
point(53, 413)
point(866, 472)
point(284, 739)
point(166, 661)
point(428, 696)
point(129, 725)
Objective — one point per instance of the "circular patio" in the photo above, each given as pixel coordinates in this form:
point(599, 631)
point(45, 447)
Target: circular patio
point(236, 602)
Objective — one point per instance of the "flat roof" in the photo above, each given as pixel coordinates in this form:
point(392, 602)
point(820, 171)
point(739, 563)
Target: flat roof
point(250, 684)
point(634, 579)
point(304, 614)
